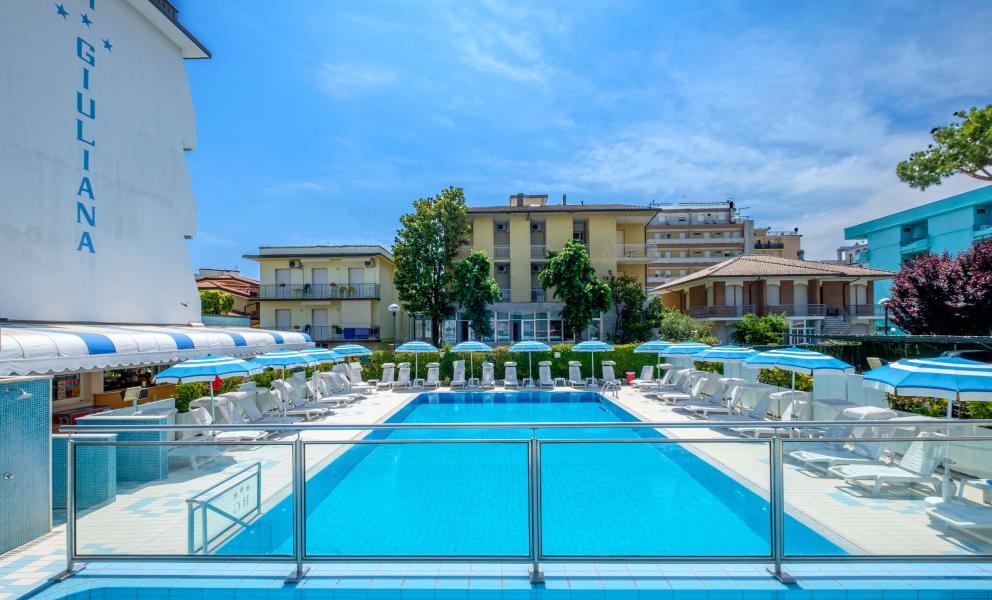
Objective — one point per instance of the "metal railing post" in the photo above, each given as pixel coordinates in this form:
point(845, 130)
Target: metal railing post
point(777, 501)
point(71, 568)
point(534, 505)
point(299, 480)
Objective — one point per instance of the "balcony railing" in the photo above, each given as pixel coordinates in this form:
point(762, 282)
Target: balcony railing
point(504, 294)
point(286, 479)
point(537, 295)
point(167, 9)
point(865, 310)
point(312, 291)
point(768, 245)
point(328, 333)
point(689, 259)
point(918, 244)
point(797, 310)
point(501, 252)
point(717, 312)
point(633, 251)
point(698, 241)
point(540, 252)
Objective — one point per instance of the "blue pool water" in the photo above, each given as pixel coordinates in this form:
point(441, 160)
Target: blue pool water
point(471, 499)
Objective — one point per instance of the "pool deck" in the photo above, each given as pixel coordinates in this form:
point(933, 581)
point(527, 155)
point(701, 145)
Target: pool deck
point(888, 524)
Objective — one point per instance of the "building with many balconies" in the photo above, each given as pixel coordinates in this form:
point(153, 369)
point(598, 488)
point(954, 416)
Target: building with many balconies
point(816, 297)
point(333, 293)
point(687, 237)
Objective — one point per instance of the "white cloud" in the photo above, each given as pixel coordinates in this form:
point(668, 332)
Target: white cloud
point(288, 188)
point(343, 79)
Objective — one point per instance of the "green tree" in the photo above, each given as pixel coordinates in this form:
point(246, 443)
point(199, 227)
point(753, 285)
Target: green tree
point(215, 302)
point(575, 284)
point(475, 290)
point(628, 297)
point(675, 326)
point(964, 147)
point(754, 330)
point(424, 253)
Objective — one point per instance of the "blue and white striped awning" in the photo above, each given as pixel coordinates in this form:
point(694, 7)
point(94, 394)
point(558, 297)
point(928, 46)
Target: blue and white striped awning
point(52, 348)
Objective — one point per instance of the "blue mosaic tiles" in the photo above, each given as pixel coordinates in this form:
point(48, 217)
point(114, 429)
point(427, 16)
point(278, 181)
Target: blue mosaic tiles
point(25, 424)
point(96, 471)
point(137, 463)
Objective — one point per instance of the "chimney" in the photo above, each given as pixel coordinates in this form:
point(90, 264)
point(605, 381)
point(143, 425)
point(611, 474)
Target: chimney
point(564, 200)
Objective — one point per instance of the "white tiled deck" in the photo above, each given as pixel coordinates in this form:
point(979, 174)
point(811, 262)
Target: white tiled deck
point(151, 518)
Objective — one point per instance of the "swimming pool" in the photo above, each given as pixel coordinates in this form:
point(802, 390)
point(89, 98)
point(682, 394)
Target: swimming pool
point(598, 499)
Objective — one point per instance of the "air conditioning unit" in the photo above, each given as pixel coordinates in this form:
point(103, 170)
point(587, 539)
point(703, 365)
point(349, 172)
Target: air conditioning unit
point(502, 268)
point(536, 227)
point(370, 263)
point(536, 267)
point(296, 264)
point(500, 226)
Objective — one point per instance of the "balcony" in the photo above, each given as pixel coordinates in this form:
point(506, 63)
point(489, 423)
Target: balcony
point(678, 260)
point(861, 258)
point(797, 310)
point(340, 333)
point(768, 245)
point(537, 295)
point(501, 252)
point(865, 311)
point(504, 294)
point(310, 291)
point(981, 231)
point(915, 245)
point(697, 241)
point(539, 252)
point(720, 312)
point(634, 253)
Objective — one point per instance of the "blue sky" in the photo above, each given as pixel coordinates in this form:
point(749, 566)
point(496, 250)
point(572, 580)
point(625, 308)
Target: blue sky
point(320, 122)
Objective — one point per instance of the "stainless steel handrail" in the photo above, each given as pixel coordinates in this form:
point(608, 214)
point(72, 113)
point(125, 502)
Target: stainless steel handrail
point(536, 555)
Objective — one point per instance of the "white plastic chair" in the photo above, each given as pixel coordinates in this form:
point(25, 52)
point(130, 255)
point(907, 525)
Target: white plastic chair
point(488, 375)
point(510, 375)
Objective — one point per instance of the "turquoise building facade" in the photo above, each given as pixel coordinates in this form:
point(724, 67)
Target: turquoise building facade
point(949, 225)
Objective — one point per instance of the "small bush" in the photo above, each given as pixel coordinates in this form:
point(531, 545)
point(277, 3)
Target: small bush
point(783, 378)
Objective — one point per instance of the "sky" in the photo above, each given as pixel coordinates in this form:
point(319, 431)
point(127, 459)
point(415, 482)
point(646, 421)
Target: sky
point(321, 122)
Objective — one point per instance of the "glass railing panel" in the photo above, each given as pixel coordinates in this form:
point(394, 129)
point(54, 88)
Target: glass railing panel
point(407, 495)
point(192, 499)
point(886, 492)
point(655, 499)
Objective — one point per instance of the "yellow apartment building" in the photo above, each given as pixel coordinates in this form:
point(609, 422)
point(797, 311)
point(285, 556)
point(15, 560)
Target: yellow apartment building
point(780, 244)
point(518, 235)
point(336, 294)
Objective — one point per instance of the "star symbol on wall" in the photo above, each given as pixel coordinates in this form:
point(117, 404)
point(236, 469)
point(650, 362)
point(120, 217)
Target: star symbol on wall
point(107, 44)
point(86, 20)
point(61, 11)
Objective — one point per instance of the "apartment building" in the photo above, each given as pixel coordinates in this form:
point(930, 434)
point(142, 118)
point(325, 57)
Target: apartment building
point(686, 237)
point(335, 294)
point(815, 297)
point(518, 236)
point(951, 225)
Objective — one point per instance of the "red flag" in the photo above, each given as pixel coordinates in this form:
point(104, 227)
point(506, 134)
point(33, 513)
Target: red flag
point(216, 383)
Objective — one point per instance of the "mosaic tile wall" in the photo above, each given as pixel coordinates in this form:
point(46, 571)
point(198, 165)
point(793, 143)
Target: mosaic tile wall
point(96, 472)
point(25, 426)
point(137, 463)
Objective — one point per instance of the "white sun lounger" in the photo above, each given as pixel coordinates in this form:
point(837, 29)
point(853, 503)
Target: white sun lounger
point(250, 411)
point(646, 378)
point(202, 417)
point(968, 517)
point(458, 374)
point(793, 412)
point(355, 378)
point(544, 374)
point(433, 376)
point(693, 395)
point(575, 378)
point(726, 407)
point(488, 376)
point(388, 372)
point(609, 376)
point(510, 375)
point(403, 379)
point(918, 465)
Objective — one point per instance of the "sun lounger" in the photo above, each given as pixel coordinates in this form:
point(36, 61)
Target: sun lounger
point(646, 377)
point(793, 412)
point(968, 517)
point(510, 375)
point(202, 417)
point(245, 402)
point(388, 372)
point(488, 376)
point(693, 395)
point(575, 378)
point(458, 374)
point(918, 465)
point(283, 394)
point(757, 413)
point(355, 378)
point(433, 375)
point(729, 406)
point(403, 379)
point(609, 376)
point(544, 374)
point(675, 380)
